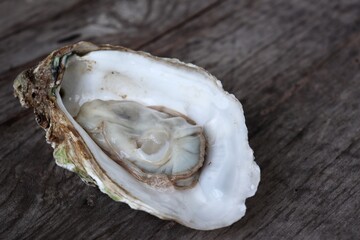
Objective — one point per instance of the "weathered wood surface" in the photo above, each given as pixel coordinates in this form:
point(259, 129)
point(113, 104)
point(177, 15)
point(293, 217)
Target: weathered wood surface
point(295, 66)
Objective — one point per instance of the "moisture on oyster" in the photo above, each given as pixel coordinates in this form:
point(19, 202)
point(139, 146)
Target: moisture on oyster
point(155, 133)
point(156, 147)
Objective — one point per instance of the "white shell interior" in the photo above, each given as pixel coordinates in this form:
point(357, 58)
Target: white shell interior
point(229, 175)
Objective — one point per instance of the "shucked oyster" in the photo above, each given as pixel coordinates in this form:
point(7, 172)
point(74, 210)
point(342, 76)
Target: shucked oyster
point(155, 133)
point(157, 148)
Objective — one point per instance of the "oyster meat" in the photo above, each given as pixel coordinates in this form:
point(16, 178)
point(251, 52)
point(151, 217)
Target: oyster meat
point(158, 134)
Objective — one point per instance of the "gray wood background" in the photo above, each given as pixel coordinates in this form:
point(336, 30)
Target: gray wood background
point(295, 66)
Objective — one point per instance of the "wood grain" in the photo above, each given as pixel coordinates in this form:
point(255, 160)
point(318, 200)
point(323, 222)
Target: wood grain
point(293, 64)
point(129, 23)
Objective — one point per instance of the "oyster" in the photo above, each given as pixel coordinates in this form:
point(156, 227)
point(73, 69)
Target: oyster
point(155, 133)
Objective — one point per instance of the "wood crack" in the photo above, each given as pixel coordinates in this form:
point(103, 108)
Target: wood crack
point(179, 25)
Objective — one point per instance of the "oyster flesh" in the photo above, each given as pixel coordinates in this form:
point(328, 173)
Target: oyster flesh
point(158, 134)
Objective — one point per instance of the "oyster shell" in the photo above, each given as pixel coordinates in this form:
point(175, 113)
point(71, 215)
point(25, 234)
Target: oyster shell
point(155, 133)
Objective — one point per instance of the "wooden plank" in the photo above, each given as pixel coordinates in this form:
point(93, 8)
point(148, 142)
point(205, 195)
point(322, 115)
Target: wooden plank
point(295, 67)
point(128, 23)
point(18, 15)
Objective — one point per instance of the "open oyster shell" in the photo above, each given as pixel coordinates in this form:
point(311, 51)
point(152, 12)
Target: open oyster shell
point(207, 193)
